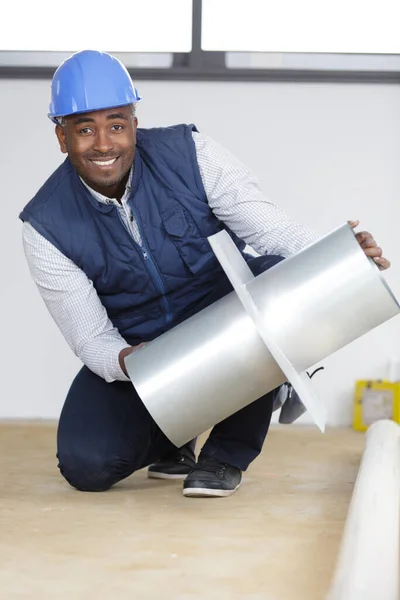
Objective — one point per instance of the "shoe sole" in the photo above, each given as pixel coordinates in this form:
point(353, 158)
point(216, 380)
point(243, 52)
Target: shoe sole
point(160, 475)
point(208, 492)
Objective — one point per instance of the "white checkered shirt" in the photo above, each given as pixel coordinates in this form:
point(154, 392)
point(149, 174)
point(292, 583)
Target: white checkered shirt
point(234, 196)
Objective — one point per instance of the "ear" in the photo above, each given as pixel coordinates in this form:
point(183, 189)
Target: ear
point(62, 140)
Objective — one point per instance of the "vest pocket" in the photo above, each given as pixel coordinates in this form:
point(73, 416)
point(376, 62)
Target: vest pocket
point(194, 249)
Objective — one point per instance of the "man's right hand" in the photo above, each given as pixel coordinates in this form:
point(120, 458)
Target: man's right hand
point(125, 352)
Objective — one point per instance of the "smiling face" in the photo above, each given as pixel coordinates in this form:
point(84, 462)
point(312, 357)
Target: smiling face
point(101, 147)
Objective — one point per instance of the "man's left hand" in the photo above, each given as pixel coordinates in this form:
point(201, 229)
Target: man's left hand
point(370, 247)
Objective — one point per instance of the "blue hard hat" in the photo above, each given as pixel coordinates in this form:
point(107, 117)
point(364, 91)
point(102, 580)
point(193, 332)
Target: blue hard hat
point(90, 80)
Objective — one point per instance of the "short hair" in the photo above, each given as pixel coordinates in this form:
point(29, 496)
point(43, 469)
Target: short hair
point(62, 120)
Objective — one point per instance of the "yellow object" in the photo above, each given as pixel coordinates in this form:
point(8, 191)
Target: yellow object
point(374, 400)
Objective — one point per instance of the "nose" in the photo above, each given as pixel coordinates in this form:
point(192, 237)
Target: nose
point(103, 142)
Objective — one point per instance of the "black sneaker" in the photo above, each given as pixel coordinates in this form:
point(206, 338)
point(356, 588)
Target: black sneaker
point(177, 464)
point(212, 478)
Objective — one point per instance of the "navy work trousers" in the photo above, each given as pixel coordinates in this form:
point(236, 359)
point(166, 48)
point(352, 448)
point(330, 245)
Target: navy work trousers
point(105, 433)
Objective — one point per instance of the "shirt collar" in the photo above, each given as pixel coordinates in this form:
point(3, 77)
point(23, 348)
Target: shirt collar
point(105, 199)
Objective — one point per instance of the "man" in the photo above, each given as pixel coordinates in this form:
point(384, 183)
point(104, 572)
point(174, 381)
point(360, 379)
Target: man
point(116, 241)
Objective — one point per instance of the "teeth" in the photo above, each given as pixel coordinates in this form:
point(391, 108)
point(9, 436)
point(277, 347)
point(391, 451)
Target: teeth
point(104, 163)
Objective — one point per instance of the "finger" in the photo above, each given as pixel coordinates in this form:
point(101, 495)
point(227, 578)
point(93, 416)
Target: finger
point(382, 262)
point(353, 224)
point(366, 241)
point(363, 235)
point(375, 252)
point(141, 345)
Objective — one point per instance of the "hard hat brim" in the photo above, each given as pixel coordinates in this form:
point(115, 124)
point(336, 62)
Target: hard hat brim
point(55, 117)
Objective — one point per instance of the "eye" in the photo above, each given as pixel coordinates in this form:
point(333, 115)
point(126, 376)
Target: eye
point(85, 131)
point(117, 127)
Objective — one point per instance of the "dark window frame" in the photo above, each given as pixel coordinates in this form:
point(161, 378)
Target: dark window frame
point(199, 65)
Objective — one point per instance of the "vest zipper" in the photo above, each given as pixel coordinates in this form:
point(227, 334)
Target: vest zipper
point(150, 264)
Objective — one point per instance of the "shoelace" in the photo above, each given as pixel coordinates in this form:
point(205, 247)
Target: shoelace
point(212, 466)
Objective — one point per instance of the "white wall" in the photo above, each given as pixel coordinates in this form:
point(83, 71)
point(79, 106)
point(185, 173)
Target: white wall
point(326, 153)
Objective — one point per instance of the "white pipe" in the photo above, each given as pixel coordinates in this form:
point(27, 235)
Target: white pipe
point(368, 565)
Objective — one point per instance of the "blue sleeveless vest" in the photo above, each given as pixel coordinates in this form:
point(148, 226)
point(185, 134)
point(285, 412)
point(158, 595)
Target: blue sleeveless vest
point(145, 290)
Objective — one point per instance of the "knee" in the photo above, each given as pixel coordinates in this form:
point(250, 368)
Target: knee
point(88, 474)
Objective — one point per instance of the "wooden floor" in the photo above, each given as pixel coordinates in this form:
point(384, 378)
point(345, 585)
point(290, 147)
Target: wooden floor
point(277, 538)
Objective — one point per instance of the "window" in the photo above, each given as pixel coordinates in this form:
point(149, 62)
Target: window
point(214, 40)
point(304, 26)
point(126, 26)
point(321, 39)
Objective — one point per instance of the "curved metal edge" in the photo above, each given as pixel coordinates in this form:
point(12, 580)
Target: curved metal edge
point(376, 268)
point(383, 280)
point(237, 272)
